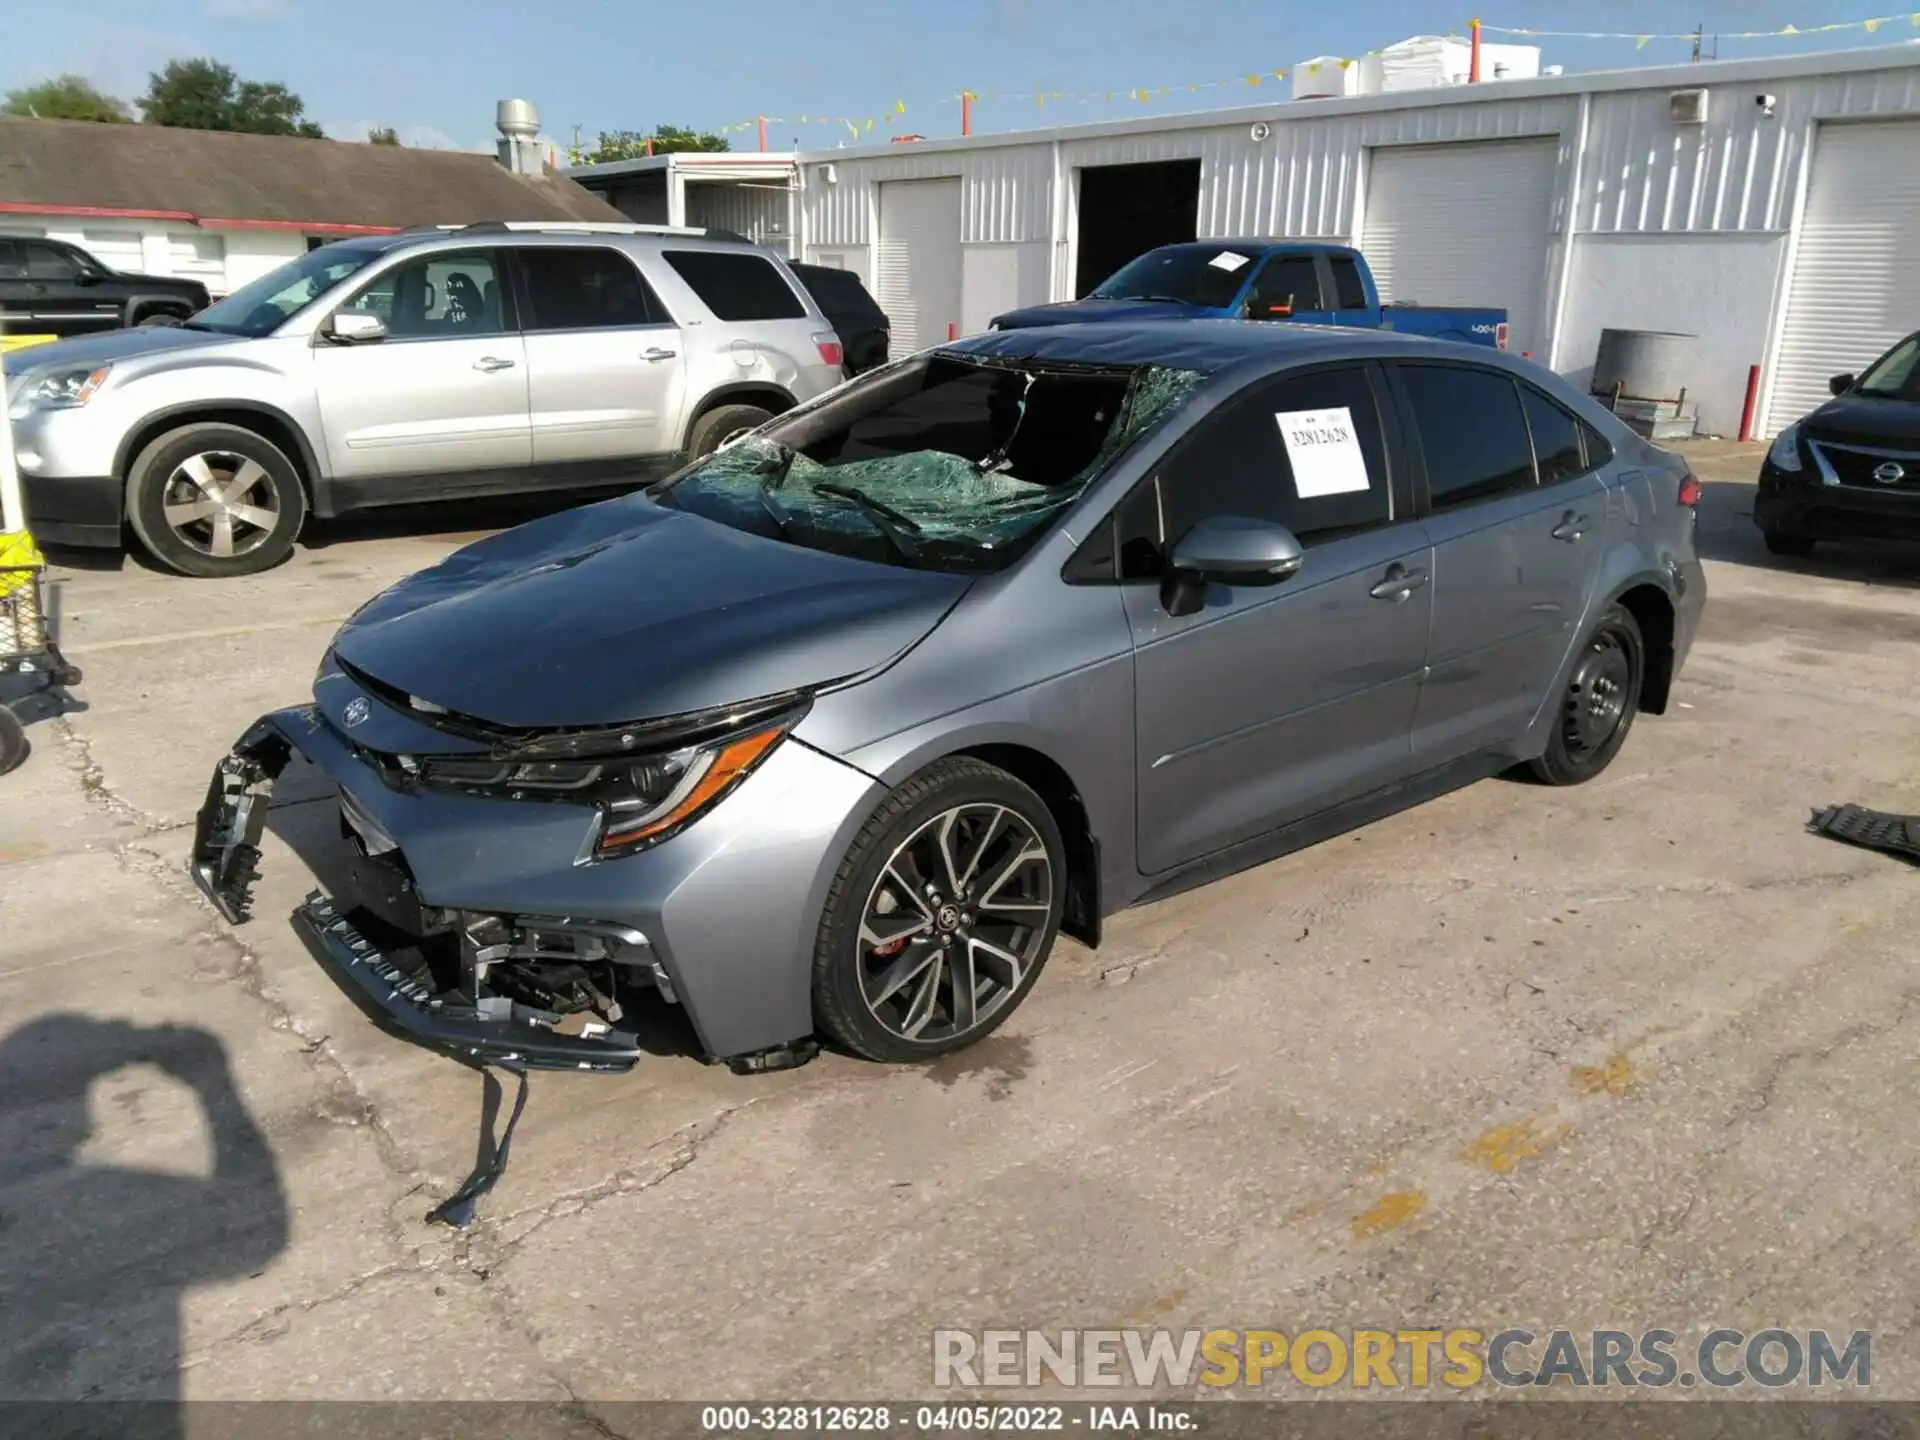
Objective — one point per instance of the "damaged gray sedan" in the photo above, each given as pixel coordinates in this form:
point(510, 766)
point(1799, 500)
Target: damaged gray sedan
point(831, 733)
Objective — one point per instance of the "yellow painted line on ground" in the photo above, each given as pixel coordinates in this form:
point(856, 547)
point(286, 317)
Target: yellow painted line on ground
point(133, 642)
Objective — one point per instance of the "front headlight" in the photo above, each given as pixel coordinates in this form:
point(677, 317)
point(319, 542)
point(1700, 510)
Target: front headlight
point(642, 798)
point(1785, 454)
point(67, 388)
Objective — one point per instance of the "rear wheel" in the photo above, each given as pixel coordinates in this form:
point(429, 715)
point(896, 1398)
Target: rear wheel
point(721, 424)
point(1782, 541)
point(1596, 709)
point(215, 500)
point(941, 916)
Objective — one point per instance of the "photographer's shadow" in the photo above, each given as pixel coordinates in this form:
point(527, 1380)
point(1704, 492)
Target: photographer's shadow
point(95, 1257)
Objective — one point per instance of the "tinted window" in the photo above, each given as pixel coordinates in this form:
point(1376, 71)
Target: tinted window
point(50, 262)
point(1599, 451)
point(1286, 283)
point(1556, 438)
point(585, 289)
point(1896, 374)
point(439, 297)
point(840, 296)
point(1305, 451)
point(13, 265)
point(1471, 431)
point(737, 287)
point(1348, 288)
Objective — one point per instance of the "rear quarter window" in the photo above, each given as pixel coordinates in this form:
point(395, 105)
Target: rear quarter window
point(737, 287)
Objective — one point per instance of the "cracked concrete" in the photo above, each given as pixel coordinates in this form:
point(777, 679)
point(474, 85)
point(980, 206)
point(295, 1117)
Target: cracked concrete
point(1627, 1055)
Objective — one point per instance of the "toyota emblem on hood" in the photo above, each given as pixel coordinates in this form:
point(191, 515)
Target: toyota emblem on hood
point(356, 712)
point(1890, 473)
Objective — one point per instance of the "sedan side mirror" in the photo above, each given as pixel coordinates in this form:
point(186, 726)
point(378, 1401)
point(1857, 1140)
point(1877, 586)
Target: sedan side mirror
point(1228, 550)
point(1840, 384)
point(355, 327)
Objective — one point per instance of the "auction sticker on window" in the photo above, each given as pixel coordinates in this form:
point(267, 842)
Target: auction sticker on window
point(1228, 261)
point(1324, 451)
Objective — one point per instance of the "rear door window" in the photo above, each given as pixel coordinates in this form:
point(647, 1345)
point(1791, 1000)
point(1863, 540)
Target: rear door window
point(1472, 433)
point(1349, 290)
point(737, 287)
point(1556, 438)
point(589, 288)
point(13, 265)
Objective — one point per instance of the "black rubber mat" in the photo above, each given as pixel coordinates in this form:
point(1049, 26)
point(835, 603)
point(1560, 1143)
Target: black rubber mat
point(1870, 829)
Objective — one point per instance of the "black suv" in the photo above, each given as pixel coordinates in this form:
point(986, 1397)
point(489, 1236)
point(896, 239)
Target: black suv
point(48, 287)
point(1852, 467)
point(861, 324)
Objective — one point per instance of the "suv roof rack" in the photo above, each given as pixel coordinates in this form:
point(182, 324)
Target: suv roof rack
point(572, 227)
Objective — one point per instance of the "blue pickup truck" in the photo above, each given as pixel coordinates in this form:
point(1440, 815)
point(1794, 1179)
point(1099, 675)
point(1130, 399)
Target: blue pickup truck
point(1260, 280)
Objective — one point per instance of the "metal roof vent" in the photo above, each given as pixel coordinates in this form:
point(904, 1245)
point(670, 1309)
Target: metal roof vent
point(519, 143)
point(1687, 107)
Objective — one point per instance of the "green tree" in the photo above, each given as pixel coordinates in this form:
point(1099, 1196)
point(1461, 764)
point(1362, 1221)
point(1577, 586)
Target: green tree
point(631, 144)
point(203, 94)
point(65, 97)
point(383, 135)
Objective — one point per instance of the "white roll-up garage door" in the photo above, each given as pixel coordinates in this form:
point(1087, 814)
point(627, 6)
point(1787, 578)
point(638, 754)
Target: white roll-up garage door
point(916, 267)
point(1856, 278)
point(1465, 224)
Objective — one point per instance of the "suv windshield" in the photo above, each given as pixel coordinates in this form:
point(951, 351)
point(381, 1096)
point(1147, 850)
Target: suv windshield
point(946, 462)
point(1895, 375)
point(262, 306)
point(1209, 275)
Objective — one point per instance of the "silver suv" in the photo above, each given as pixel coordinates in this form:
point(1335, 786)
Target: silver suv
point(436, 364)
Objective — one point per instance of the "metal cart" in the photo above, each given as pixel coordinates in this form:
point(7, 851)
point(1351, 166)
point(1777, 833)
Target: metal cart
point(31, 664)
point(32, 669)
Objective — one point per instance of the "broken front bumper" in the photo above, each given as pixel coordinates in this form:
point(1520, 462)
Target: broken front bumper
point(465, 1021)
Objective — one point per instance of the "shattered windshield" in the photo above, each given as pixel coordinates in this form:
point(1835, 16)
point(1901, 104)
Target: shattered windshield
point(947, 462)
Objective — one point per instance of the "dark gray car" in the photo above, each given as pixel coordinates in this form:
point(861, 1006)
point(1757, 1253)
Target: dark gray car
point(832, 731)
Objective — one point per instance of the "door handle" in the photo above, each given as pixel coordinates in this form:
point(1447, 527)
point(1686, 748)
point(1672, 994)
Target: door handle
point(1570, 528)
point(491, 363)
point(656, 355)
point(1399, 584)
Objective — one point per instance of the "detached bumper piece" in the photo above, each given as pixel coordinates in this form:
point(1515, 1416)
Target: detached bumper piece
point(1870, 829)
point(489, 1030)
point(226, 834)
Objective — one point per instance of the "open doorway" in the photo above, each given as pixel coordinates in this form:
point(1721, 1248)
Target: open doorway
point(1127, 210)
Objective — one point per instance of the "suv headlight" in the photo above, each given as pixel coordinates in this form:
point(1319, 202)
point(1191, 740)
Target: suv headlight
point(1785, 454)
point(67, 388)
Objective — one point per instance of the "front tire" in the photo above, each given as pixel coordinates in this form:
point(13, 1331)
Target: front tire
point(214, 500)
point(721, 424)
point(1596, 709)
point(942, 915)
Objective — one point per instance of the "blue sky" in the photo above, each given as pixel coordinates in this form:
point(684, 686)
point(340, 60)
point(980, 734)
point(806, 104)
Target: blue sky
point(433, 68)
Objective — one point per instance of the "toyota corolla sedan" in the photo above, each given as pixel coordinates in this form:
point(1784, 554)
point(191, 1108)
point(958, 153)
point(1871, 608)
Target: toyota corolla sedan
point(830, 734)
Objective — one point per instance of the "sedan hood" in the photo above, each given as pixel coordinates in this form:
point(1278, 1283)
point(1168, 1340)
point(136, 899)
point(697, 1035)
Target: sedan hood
point(1866, 420)
point(628, 611)
point(1074, 312)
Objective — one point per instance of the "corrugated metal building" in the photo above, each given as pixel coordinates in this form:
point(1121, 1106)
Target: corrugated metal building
point(1779, 219)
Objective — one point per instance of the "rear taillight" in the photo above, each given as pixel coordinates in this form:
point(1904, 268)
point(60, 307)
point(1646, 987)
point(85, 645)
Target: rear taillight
point(1689, 490)
point(1500, 335)
point(831, 351)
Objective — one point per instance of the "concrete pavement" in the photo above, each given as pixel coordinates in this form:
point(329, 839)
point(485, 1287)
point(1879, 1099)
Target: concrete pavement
point(1628, 1055)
